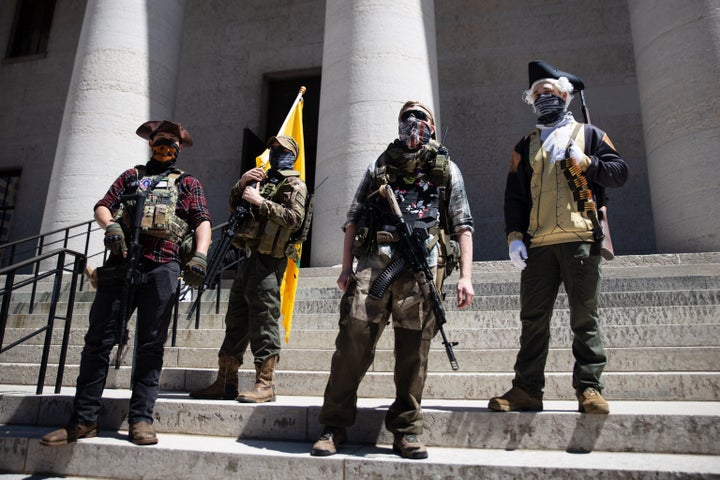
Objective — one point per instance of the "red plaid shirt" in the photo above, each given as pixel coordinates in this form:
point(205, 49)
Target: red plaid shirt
point(191, 207)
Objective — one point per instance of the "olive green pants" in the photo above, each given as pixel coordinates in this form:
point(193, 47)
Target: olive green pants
point(253, 312)
point(579, 270)
point(362, 321)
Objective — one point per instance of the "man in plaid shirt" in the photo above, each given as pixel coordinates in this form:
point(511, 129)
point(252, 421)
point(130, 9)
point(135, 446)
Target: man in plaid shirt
point(159, 268)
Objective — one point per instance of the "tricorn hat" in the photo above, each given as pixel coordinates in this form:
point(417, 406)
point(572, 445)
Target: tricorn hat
point(286, 142)
point(537, 70)
point(149, 129)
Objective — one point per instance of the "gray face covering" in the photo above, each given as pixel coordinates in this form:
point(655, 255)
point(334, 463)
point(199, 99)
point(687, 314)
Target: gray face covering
point(281, 159)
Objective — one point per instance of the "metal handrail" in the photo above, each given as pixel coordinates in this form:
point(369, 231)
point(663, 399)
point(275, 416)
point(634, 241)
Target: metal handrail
point(36, 244)
point(78, 266)
point(218, 291)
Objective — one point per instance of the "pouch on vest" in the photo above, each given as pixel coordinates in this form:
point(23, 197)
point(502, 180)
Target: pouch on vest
point(159, 217)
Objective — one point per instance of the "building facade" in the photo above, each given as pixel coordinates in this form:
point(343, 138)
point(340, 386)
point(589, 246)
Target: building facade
point(74, 93)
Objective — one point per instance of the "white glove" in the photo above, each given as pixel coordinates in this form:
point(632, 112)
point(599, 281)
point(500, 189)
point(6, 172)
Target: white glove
point(518, 254)
point(579, 156)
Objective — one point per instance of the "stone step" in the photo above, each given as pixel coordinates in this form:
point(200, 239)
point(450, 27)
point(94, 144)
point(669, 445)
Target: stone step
point(325, 287)
point(636, 359)
point(625, 336)
point(633, 314)
point(667, 427)
point(460, 385)
point(491, 302)
point(211, 457)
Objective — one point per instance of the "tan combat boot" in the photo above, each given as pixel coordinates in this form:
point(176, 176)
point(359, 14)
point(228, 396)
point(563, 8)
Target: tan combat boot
point(590, 401)
point(264, 388)
point(225, 386)
point(516, 399)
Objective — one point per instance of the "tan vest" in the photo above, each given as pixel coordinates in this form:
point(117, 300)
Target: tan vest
point(554, 217)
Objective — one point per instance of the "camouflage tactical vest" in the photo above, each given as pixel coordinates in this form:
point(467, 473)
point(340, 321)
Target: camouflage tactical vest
point(159, 218)
point(271, 238)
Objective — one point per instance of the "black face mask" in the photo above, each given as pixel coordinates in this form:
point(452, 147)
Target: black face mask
point(549, 107)
point(281, 159)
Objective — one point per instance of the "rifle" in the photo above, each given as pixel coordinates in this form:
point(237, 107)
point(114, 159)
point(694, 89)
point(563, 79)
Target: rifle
point(413, 252)
point(215, 262)
point(122, 308)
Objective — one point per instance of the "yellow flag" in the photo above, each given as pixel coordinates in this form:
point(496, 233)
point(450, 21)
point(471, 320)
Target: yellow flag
point(292, 127)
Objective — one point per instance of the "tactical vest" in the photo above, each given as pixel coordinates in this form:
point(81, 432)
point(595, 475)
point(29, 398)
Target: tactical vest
point(159, 218)
point(423, 205)
point(271, 238)
point(424, 202)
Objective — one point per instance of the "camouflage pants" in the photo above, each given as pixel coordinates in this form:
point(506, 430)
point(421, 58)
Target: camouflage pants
point(362, 321)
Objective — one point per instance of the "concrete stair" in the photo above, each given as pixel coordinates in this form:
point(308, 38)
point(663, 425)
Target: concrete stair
point(661, 323)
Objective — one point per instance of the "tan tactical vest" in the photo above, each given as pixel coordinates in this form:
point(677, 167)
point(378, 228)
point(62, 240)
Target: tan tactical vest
point(267, 237)
point(159, 217)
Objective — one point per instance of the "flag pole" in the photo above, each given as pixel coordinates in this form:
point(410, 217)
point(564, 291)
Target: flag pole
point(292, 107)
point(299, 97)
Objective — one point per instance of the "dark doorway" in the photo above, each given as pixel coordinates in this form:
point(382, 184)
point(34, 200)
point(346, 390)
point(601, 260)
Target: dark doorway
point(31, 28)
point(279, 93)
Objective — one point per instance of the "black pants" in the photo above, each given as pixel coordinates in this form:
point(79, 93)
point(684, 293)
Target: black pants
point(154, 300)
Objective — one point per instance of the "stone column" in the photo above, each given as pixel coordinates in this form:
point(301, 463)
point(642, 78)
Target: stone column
point(376, 55)
point(125, 73)
point(677, 46)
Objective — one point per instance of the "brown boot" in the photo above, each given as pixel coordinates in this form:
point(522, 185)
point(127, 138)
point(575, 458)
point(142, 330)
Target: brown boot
point(69, 433)
point(516, 399)
point(409, 445)
point(264, 388)
point(590, 401)
point(142, 433)
point(329, 442)
point(225, 386)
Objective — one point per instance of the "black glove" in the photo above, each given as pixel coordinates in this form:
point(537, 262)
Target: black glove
point(195, 270)
point(115, 239)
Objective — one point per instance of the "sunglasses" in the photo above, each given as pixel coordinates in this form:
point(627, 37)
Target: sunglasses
point(419, 114)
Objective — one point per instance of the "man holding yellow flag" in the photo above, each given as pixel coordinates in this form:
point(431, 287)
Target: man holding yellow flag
point(266, 281)
point(276, 199)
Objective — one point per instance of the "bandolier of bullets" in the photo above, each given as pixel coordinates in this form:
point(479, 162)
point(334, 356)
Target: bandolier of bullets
point(582, 194)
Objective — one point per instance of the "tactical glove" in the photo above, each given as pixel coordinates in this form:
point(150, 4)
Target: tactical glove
point(195, 270)
point(518, 254)
point(428, 151)
point(115, 239)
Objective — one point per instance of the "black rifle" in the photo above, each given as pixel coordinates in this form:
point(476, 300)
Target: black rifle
point(413, 253)
point(123, 308)
point(215, 262)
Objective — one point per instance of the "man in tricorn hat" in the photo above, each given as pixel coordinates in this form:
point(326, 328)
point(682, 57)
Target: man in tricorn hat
point(175, 213)
point(554, 189)
point(276, 200)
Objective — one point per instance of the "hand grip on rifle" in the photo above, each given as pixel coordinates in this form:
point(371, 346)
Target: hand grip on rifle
point(415, 253)
point(219, 252)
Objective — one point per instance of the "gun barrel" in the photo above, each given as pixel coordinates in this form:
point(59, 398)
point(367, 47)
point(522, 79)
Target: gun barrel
point(415, 253)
